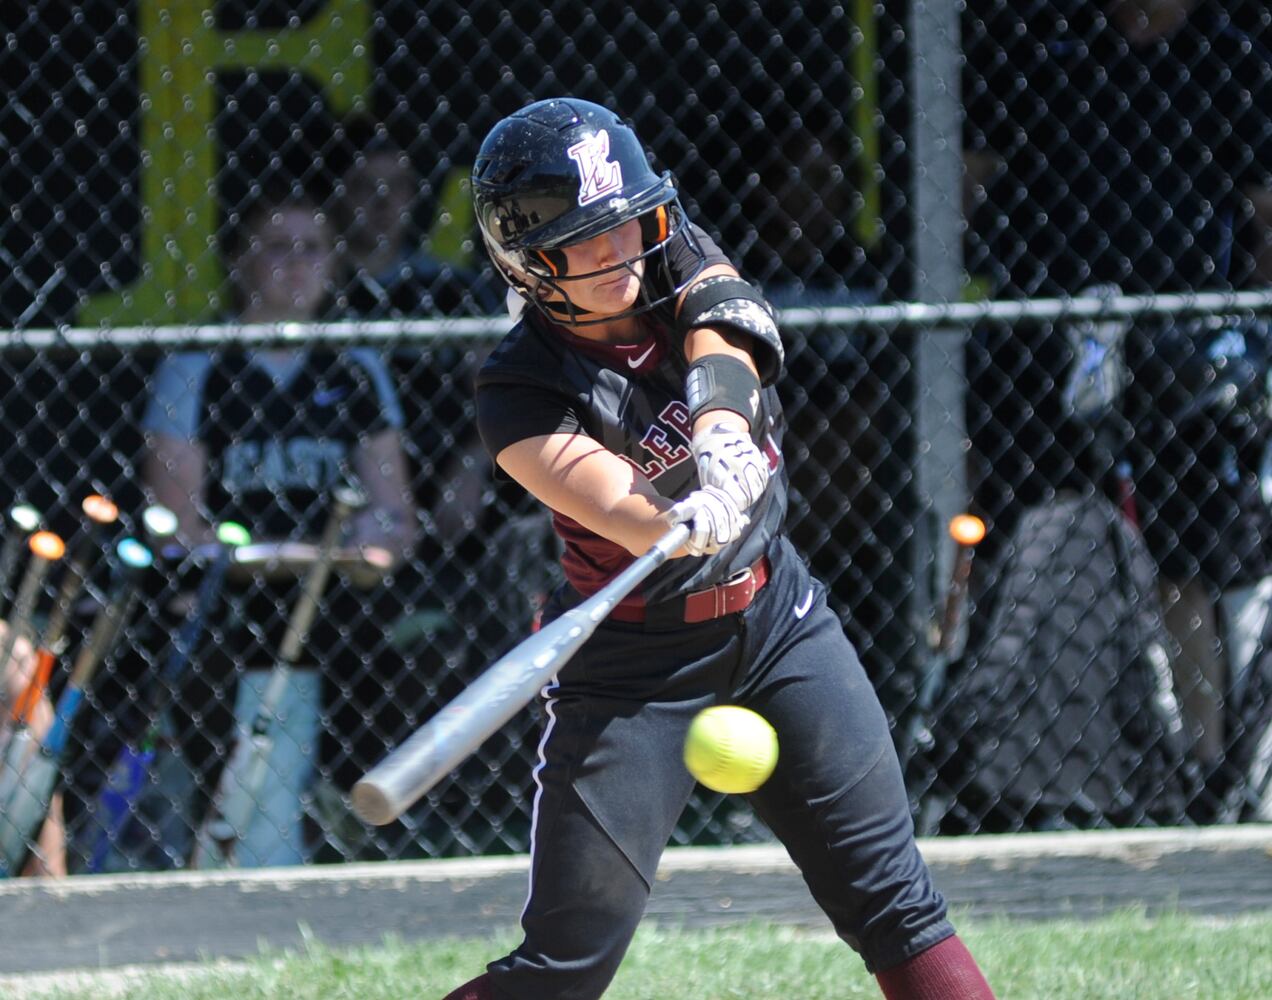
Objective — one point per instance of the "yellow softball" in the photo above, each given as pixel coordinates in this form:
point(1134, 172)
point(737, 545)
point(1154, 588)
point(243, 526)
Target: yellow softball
point(730, 749)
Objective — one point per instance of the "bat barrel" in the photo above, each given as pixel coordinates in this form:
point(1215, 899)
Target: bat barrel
point(244, 775)
point(134, 558)
point(443, 742)
point(26, 789)
point(230, 537)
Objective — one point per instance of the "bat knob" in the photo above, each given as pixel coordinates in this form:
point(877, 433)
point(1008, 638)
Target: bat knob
point(25, 517)
point(159, 522)
point(349, 497)
point(133, 554)
point(371, 804)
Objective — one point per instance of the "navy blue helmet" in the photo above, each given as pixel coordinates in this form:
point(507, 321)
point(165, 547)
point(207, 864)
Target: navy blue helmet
point(559, 172)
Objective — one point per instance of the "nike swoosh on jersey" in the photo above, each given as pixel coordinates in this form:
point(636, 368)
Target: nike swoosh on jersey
point(801, 609)
point(639, 360)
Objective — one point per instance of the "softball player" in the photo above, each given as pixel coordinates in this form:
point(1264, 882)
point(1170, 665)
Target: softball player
point(636, 393)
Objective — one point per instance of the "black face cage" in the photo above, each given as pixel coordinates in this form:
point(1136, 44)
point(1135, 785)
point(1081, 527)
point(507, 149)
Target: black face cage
point(658, 287)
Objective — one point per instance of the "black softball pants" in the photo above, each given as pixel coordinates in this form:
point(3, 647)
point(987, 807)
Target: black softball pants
point(611, 785)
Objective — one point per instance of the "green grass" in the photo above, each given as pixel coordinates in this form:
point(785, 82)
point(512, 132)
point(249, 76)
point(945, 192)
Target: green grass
point(1129, 955)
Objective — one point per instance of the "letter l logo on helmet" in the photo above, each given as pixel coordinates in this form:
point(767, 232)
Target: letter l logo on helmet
point(598, 175)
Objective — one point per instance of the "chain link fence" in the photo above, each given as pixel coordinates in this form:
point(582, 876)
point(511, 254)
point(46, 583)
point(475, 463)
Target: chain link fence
point(195, 191)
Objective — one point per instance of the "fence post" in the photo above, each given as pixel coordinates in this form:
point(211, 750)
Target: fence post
point(940, 480)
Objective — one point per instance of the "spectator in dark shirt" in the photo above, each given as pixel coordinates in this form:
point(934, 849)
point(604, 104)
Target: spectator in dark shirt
point(262, 437)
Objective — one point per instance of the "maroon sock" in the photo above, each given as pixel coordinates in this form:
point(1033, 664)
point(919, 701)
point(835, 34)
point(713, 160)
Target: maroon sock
point(945, 971)
point(474, 989)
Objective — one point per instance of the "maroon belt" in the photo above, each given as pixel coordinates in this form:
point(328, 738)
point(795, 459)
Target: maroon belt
point(728, 598)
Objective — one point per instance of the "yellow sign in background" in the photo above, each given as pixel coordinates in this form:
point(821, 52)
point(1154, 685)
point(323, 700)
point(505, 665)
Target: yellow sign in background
point(181, 51)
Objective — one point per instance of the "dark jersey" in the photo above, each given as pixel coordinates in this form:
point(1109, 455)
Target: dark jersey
point(275, 448)
point(543, 379)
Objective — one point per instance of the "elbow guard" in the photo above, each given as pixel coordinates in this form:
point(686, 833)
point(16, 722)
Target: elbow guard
point(728, 302)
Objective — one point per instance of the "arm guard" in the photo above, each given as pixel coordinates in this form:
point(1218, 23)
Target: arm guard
point(722, 382)
point(729, 302)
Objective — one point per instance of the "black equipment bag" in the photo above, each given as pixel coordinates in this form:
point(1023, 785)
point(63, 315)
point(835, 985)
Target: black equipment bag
point(1064, 714)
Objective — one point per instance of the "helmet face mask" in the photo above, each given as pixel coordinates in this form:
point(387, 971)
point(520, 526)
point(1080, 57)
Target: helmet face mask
point(558, 173)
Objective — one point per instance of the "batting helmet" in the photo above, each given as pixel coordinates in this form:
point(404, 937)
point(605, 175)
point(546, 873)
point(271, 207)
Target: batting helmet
point(562, 171)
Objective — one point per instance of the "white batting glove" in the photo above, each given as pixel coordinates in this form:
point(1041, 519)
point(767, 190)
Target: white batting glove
point(713, 517)
point(730, 461)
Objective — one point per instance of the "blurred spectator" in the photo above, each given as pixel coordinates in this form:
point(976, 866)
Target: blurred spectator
point(1203, 429)
point(261, 437)
point(1126, 145)
point(49, 854)
point(387, 270)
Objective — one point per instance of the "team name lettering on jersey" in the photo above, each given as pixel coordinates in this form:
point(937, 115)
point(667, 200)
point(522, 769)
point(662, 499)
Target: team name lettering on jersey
point(299, 463)
point(666, 441)
point(598, 175)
